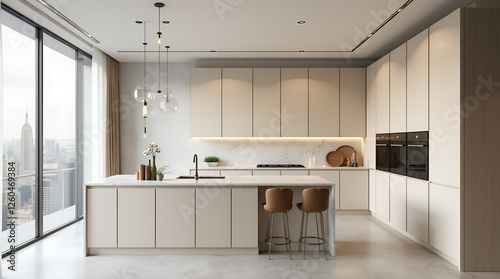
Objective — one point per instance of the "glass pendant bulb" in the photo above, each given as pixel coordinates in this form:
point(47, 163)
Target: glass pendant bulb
point(142, 91)
point(170, 105)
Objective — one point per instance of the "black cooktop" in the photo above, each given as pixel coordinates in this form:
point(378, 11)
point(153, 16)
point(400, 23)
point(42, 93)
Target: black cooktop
point(280, 166)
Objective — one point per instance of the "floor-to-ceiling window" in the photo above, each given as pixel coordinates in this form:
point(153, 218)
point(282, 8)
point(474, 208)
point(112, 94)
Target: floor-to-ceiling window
point(44, 77)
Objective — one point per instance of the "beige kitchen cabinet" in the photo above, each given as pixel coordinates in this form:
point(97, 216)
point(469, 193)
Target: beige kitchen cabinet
point(382, 195)
point(353, 190)
point(237, 102)
point(245, 225)
point(175, 218)
point(352, 102)
point(383, 95)
point(373, 190)
point(397, 202)
point(334, 177)
point(101, 218)
point(266, 172)
point(444, 219)
point(213, 217)
point(444, 100)
point(294, 172)
point(294, 99)
point(397, 95)
point(136, 218)
point(266, 102)
point(235, 172)
point(417, 95)
point(418, 208)
point(371, 114)
point(324, 106)
point(206, 102)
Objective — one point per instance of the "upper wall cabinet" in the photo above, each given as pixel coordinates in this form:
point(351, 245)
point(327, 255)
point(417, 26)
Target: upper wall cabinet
point(324, 102)
point(397, 91)
point(266, 102)
point(444, 86)
point(352, 102)
point(382, 103)
point(236, 102)
point(417, 96)
point(206, 102)
point(294, 99)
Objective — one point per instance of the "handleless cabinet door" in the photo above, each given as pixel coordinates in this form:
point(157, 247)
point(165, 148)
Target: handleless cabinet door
point(332, 176)
point(294, 172)
point(101, 218)
point(245, 225)
point(294, 102)
point(371, 97)
point(418, 208)
point(417, 96)
point(237, 102)
point(383, 95)
point(352, 102)
point(444, 99)
point(324, 108)
point(213, 217)
point(206, 97)
point(175, 218)
point(266, 172)
point(397, 97)
point(397, 206)
point(354, 190)
point(373, 191)
point(266, 102)
point(382, 195)
point(136, 217)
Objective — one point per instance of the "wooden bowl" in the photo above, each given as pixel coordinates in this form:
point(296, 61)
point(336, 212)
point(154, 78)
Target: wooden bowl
point(334, 158)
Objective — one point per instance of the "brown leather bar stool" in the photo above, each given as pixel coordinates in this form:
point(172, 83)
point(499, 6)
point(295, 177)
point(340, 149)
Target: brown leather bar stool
point(278, 200)
point(314, 200)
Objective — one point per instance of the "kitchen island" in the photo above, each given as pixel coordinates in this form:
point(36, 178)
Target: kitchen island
point(186, 216)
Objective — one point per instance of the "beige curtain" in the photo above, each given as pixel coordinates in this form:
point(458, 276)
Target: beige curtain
point(113, 121)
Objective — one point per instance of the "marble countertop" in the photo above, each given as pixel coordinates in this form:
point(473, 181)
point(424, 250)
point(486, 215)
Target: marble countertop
point(252, 168)
point(232, 181)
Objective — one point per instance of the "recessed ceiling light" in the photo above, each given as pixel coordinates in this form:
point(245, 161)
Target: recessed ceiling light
point(301, 22)
point(213, 51)
point(138, 22)
point(166, 22)
point(301, 51)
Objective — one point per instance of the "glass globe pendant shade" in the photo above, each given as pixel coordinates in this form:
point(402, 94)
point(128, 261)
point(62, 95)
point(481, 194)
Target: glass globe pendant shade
point(161, 97)
point(142, 91)
point(169, 106)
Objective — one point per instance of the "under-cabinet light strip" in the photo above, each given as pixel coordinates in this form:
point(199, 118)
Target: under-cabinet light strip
point(65, 18)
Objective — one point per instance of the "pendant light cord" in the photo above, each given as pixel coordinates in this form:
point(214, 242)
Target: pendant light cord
point(167, 72)
point(159, 50)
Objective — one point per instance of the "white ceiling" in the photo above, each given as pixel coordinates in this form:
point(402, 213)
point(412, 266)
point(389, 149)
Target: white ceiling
point(250, 25)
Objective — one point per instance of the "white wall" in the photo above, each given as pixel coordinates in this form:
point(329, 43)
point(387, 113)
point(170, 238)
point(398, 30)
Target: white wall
point(171, 132)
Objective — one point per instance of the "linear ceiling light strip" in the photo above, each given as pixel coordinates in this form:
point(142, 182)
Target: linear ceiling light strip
point(65, 18)
point(383, 24)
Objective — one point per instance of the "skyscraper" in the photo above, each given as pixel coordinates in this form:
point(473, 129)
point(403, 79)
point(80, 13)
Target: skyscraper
point(27, 148)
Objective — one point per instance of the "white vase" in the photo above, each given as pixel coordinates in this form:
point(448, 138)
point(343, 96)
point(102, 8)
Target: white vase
point(212, 164)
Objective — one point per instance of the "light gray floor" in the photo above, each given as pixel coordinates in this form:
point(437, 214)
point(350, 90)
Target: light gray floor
point(365, 249)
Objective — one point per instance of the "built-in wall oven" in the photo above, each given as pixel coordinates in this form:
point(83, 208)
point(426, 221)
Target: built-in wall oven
point(397, 153)
point(418, 155)
point(382, 152)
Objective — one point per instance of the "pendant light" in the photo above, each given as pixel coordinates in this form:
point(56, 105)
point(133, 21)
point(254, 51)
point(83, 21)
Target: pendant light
point(170, 104)
point(159, 96)
point(142, 92)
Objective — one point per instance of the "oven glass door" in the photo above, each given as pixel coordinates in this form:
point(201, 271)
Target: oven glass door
point(382, 155)
point(418, 161)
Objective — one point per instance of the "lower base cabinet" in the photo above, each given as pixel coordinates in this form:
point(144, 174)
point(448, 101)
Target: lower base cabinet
point(101, 218)
point(353, 190)
point(418, 209)
point(213, 217)
point(244, 218)
point(334, 177)
point(175, 218)
point(382, 195)
point(444, 219)
point(136, 218)
point(397, 207)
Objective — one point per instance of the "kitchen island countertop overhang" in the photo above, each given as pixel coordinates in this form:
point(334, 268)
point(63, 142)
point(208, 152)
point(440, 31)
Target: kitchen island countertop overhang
point(186, 216)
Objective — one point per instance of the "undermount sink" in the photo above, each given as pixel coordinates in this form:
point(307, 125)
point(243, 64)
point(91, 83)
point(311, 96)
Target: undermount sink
point(200, 177)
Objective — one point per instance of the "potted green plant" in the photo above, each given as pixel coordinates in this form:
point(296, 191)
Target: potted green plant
point(211, 161)
point(160, 173)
